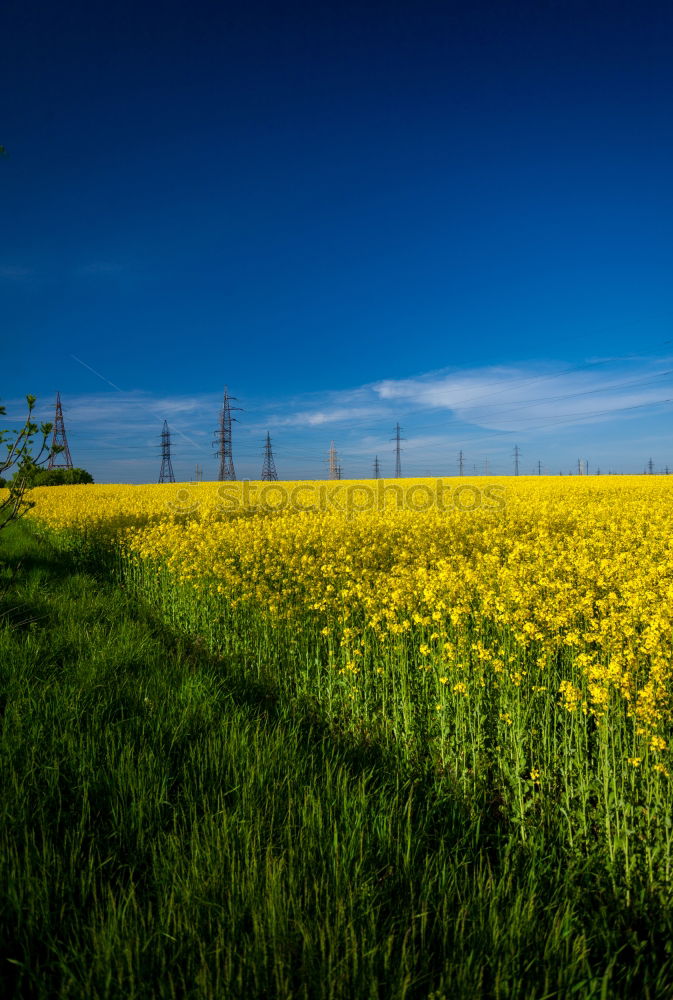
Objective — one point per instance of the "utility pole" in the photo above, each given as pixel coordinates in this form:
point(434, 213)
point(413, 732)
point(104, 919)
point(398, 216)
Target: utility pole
point(166, 474)
point(62, 459)
point(398, 452)
point(517, 456)
point(377, 468)
point(461, 462)
point(223, 439)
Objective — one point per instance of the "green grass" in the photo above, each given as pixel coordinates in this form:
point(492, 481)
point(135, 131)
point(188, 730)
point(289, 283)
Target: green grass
point(171, 827)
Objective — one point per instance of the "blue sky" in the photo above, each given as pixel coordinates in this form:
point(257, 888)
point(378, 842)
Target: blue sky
point(454, 216)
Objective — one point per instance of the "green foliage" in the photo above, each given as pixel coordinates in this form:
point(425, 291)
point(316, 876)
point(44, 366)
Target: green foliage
point(20, 445)
point(36, 476)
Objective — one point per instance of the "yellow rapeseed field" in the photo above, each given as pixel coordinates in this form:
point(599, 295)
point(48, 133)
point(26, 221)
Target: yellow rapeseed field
point(483, 579)
point(515, 631)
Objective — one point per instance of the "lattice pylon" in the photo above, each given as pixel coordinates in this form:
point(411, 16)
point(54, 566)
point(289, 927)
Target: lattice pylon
point(398, 451)
point(269, 473)
point(61, 460)
point(223, 439)
point(333, 462)
point(166, 474)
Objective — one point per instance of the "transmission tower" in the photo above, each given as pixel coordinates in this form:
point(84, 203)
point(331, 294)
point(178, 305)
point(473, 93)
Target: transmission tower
point(269, 473)
point(223, 438)
point(650, 467)
point(517, 456)
point(198, 473)
point(334, 467)
point(377, 468)
point(461, 462)
point(62, 459)
point(166, 474)
point(539, 467)
point(398, 452)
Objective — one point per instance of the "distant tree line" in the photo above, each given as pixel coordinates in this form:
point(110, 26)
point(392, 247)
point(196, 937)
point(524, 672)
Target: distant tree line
point(33, 475)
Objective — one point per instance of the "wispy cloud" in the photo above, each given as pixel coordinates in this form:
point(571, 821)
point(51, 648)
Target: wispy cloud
point(533, 397)
point(319, 418)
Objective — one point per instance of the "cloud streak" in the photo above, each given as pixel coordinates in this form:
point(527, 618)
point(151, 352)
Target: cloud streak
point(512, 400)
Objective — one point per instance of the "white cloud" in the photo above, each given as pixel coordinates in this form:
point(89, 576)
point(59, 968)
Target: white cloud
point(318, 418)
point(530, 398)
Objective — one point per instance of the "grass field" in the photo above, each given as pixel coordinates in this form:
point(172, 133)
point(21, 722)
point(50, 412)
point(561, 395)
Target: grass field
point(388, 750)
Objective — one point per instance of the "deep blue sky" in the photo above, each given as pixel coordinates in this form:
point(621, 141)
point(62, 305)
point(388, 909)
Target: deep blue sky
point(333, 208)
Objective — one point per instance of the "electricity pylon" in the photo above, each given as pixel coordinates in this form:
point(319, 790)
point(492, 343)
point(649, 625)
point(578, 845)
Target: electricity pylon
point(334, 468)
point(60, 441)
point(166, 474)
point(398, 452)
point(269, 473)
point(223, 439)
